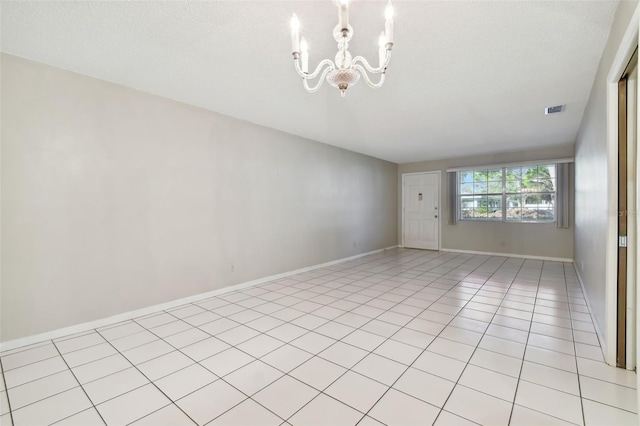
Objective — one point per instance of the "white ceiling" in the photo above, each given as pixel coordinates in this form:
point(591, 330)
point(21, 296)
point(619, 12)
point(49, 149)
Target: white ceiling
point(465, 77)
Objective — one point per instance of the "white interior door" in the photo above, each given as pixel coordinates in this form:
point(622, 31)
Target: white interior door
point(421, 210)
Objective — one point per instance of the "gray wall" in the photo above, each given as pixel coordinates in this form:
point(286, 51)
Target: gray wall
point(115, 200)
point(530, 239)
point(591, 176)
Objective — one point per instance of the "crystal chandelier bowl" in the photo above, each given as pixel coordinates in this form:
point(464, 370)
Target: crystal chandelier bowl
point(343, 79)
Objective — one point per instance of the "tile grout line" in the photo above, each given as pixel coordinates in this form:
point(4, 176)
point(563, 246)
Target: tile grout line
point(524, 354)
point(6, 390)
point(198, 363)
point(81, 387)
point(575, 358)
point(136, 388)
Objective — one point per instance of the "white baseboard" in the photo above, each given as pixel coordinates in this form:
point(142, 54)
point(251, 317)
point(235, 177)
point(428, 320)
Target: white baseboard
point(603, 342)
point(520, 256)
point(103, 322)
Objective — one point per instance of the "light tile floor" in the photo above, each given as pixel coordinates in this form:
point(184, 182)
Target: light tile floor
point(398, 338)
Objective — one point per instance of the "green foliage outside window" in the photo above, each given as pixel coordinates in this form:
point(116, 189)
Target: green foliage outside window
point(510, 193)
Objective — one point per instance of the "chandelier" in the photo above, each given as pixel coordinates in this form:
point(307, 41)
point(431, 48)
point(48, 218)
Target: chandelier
point(345, 71)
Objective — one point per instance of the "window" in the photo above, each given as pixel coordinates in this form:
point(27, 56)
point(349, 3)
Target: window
point(511, 194)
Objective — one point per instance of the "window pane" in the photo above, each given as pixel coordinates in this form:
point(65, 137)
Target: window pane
point(495, 187)
point(513, 186)
point(474, 207)
point(546, 185)
point(481, 210)
point(467, 203)
point(532, 199)
point(466, 214)
point(546, 206)
point(494, 207)
point(538, 207)
point(529, 179)
point(545, 178)
point(495, 174)
point(466, 177)
point(546, 171)
point(480, 175)
point(480, 188)
point(513, 173)
point(514, 207)
point(466, 188)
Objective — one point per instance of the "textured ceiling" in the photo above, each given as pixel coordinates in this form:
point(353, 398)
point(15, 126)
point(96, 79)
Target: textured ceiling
point(465, 77)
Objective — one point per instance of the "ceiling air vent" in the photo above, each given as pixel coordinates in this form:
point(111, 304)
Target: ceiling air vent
point(553, 109)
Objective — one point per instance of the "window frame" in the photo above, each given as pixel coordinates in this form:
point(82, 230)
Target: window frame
point(504, 194)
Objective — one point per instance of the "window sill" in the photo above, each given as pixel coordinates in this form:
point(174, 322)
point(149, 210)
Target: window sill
point(506, 221)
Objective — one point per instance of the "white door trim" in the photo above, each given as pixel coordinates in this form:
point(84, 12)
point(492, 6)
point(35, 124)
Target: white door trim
point(439, 173)
point(623, 55)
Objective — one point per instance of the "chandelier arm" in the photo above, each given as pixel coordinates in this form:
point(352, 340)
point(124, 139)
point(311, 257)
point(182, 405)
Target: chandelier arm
point(321, 80)
point(359, 59)
point(314, 74)
point(366, 78)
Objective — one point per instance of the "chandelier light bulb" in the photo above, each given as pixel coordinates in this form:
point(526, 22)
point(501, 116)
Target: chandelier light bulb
point(295, 34)
point(388, 25)
point(343, 14)
point(388, 12)
point(295, 23)
point(304, 47)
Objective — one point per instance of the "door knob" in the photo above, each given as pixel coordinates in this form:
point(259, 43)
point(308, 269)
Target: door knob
point(436, 216)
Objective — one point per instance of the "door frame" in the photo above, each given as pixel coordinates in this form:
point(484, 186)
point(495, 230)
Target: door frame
point(627, 46)
point(624, 283)
point(439, 173)
point(633, 258)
